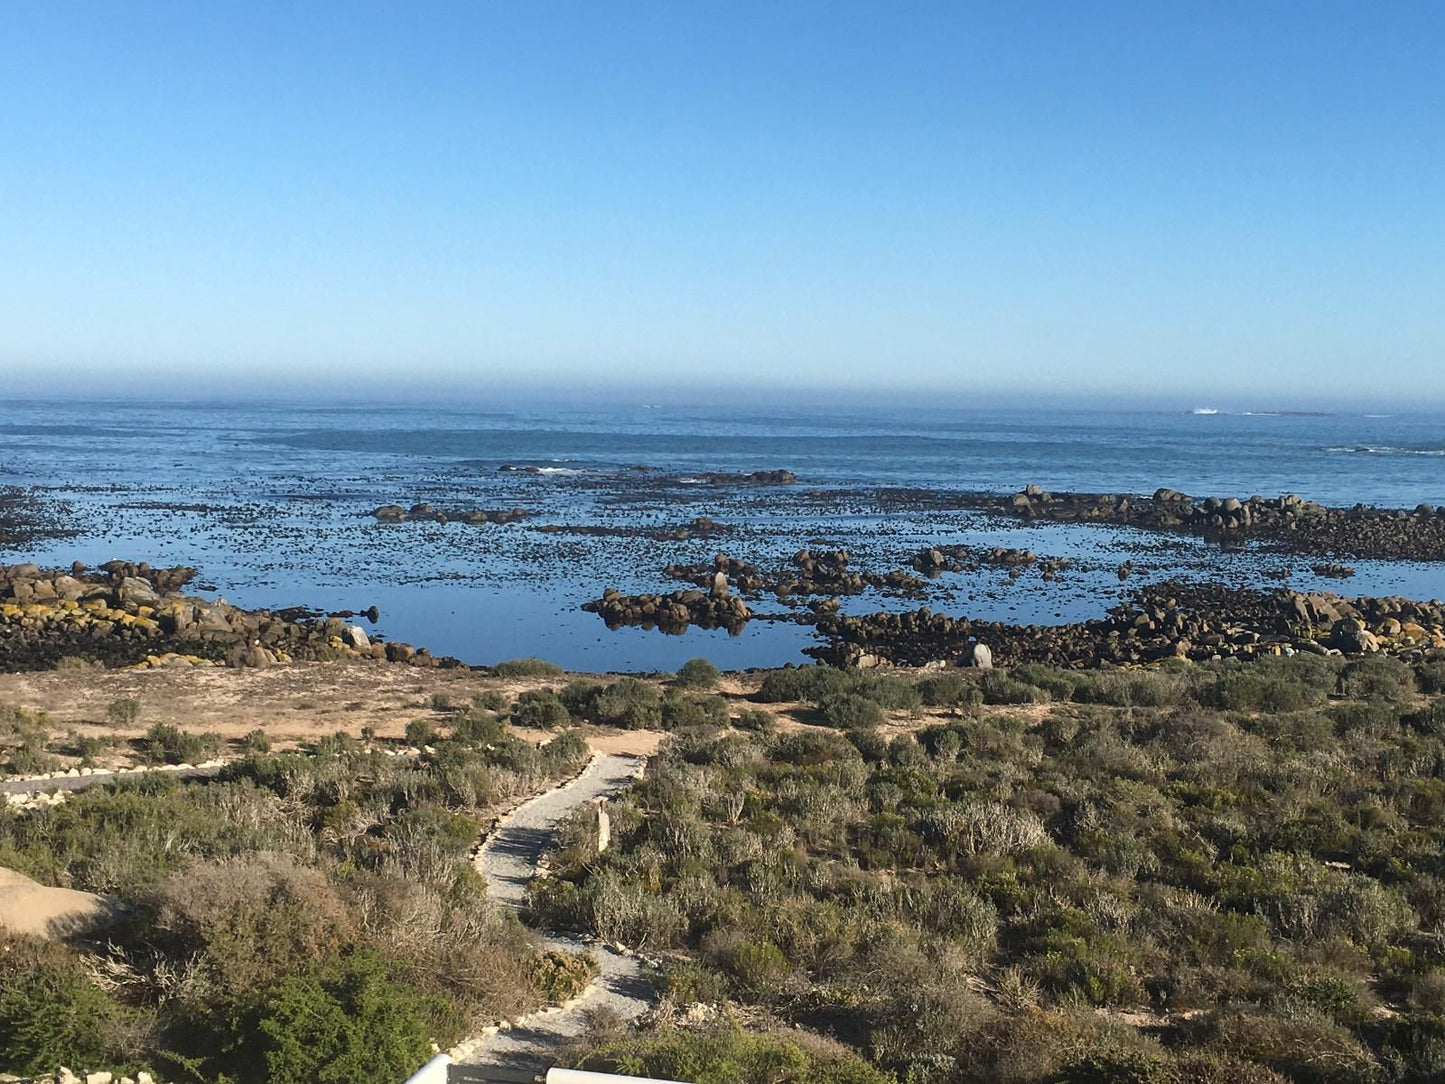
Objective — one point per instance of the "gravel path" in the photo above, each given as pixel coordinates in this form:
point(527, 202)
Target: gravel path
point(508, 860)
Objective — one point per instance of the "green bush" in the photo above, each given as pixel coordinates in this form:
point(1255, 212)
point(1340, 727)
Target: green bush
point(698, 674)
point(1378, 677)
point(526, 668)
point(628, 703)
point(541, 709)
point(489, 700)
point(477, 728)
point(948, 690)
point(998, 687)
point(51, 1014)
point(123, 712)
point(732, 1056)
point(256, 741)
point(348, 1021)
point(691, 711)
point(850, 711)
point(1269, 684)
point(168, 744)
point(756, 720)
point(561, 976)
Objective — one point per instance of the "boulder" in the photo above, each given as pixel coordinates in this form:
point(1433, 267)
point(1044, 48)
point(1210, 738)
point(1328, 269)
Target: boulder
point(979, 657)
point(1351, 637)
point(355, 636)
point(134, 591)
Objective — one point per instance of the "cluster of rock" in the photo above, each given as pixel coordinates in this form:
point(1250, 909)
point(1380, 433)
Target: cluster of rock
point(125, 614)
point(717, 608)
point(808, 572)
point(1170, 620)
point(701, 527)
point(746, 577)
point(65, 1076)
point(426, 513)
point(752, 478)
point(1332, 571)
point(939, 559)
point(827, 573)
point(1290, 522)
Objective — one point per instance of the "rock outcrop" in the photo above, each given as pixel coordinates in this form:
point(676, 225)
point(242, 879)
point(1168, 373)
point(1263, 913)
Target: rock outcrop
point(125, 614)
point(1164, 621)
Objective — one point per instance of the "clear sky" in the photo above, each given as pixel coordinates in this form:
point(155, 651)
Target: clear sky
point(1229, 200)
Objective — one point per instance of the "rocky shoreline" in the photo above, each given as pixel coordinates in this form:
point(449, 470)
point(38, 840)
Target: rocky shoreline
point(1197, 622)
point(125, 614)
point(1289, 523)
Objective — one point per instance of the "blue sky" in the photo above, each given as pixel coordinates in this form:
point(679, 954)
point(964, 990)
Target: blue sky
point(1241, 201)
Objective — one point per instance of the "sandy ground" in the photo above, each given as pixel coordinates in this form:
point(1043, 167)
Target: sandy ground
point(300, 702)
point(295, 703)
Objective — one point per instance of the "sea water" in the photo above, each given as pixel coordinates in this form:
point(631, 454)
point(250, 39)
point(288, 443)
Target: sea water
point(271, 502)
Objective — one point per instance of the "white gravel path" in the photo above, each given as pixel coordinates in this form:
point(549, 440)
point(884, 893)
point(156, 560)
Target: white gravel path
point(508, 860)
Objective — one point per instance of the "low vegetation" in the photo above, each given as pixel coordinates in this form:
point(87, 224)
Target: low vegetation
point(1173, 875)
point(304, 917)
point(1204, 874)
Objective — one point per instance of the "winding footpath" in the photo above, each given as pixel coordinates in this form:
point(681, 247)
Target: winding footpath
point(509, 859)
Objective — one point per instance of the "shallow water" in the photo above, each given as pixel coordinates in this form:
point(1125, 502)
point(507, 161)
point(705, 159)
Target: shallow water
point(270, 503)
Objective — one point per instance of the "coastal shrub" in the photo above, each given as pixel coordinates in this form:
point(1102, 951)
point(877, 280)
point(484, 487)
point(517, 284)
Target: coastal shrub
point(1153, 688)
point(999, 687)
point(52, 1014)
point(25, 734)
point(580, 696)
point(420, 732)
point(729, 1055)
point(1269, 684)
point(685, 711)
point(698, 674)
point(1430, 676)
point(350, 1020)
point(628, 703)
point(123, 712)
point(492, 700)
point(477, 728)
point(253, 919)
point(756, 968)
point(1059, 684)
point(256, 741)
point(756, 720)
point(561, 976)
point(1378, 677)
point(541, 709)
point(166, 743)
point(1430, 719)
point(949, 690)
point(1303, 1046)
point(811, 684)
point(526, 668)
point(849, 711)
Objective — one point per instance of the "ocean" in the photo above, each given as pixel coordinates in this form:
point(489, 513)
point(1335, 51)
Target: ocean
point(271, 503)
